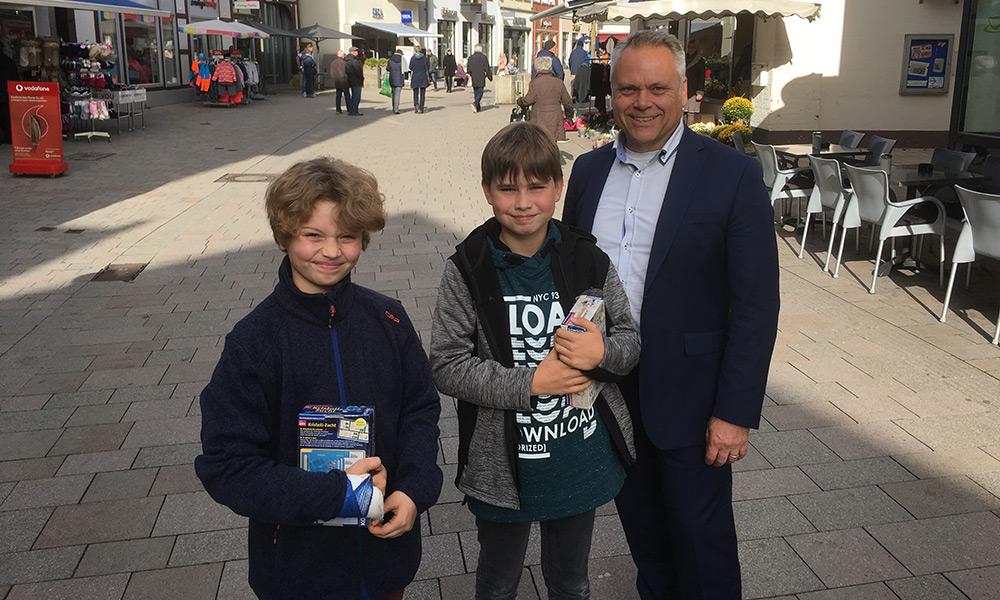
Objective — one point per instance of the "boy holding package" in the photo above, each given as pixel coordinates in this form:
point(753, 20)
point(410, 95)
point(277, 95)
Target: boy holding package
point(525, 453)
point(319, 339)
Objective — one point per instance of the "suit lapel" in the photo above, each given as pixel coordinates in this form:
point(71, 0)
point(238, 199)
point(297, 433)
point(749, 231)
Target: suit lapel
point(680, 193)
point(591, 196)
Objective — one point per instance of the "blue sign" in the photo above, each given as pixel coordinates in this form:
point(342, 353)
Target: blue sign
point(407, 17)
point(926, 64)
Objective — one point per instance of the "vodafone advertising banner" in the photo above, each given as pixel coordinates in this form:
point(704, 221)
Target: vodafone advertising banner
point(36, 128)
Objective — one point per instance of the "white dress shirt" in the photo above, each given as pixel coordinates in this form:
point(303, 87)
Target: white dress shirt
point(629, 208)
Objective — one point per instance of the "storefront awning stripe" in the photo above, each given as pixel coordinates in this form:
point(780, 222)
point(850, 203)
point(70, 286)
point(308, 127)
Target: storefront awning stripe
point(119, 6)
point(622, 10)
point(218, 27)
point(398, 29)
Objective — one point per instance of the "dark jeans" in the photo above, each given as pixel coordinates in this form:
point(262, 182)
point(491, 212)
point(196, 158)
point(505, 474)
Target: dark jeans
point(677, 513)
point(565, 551)
point(434, 79)
point(419, 96)
point(344, 93)
point(449, 80)
point(355, 99)
point(310, 83)
point(477, 97)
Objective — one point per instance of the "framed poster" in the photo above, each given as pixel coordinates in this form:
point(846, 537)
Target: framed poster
point(926, 64)
point(36, 128)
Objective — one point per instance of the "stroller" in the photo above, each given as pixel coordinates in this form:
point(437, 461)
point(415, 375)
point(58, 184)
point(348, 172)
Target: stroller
point(519, 114)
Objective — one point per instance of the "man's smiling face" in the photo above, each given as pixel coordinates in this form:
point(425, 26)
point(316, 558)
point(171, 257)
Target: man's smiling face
point(648, 96)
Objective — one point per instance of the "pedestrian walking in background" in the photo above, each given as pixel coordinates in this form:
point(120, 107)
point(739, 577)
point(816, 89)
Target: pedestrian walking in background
point(548, 99)
point(420, 77)
point(338, 74)
point(450, 67)
point(578, 57)
point(479, 70)
point(355, 80)
point(395, 68)
point(432, 65)
point(557, 68)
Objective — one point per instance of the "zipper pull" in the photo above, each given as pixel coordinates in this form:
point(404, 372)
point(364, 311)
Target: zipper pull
point(333, 311)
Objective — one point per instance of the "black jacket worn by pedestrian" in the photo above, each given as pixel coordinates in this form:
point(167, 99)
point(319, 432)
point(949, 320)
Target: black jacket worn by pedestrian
point(355, 71)
point(449, 65)
point(395, 68)
point(479, 69)
point(338, 72)
point(419, 70)
point(279, 358)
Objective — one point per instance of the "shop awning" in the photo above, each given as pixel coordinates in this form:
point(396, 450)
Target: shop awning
point(219, 27)
point(268, 29)
point(398, 29)
point(318, 32)
point(118, 6)
point(696, 9)
point(566, 6)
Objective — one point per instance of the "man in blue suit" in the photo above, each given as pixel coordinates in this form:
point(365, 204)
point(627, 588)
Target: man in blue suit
point(688, 224)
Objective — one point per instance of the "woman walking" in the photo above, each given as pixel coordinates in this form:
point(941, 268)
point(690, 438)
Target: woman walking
point(449, 69)
point(420, 77)
point(548, 99)
point(395, 67)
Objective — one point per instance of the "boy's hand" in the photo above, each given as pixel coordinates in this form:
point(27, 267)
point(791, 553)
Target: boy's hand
point(553, 378)
point(373, 465)
point(582, 350)
point(404, 513)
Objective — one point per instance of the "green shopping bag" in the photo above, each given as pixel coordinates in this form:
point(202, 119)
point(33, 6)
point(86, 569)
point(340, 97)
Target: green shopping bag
point(386, 88)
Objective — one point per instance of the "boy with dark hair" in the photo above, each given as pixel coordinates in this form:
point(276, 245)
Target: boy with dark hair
point(525, 453)
point(320, 339)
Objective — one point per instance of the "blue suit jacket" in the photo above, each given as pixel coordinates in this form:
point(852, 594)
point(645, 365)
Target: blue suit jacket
point(709, 316)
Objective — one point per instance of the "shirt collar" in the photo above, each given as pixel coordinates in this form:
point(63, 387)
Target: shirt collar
point(665, 154)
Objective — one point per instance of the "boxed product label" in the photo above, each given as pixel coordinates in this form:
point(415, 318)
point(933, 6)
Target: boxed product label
point(591, 308)
point(334, 438)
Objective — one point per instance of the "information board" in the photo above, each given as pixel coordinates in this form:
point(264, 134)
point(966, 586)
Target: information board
point(926, 64)
point(36, 128)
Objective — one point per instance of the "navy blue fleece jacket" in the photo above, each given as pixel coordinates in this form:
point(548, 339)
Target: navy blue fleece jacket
point(276, 360)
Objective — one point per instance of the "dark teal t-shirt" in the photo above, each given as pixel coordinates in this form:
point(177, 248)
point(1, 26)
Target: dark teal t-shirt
point(566, 464)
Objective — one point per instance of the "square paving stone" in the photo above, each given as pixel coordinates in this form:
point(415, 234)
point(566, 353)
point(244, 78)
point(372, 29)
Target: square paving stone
point(209, 546)
point(943, 543)
point(96, 415)
point(118, 485)
point(157, 409)
point(100, 522)
point(769, 517)
point(871, 591)
point(15, 403)
point(122, 378)
point(96, 462)
point(428, 589)
point(978, 584)
point(52, 383)
point(199, 582)
point(848, 557)
point(770, 483)
point(47, 492)
point(609, 538)
point(449, 492)
point(84, 398)
point(176, 479)
point(612, 577)
point(442, 556)
point(938, 497)
point(989, 481)
point(39, 565)
point(94, 438)
point(753, 461)
point(195, 512)
point(162, 456)
point(21, 527)
point(857, 473)
point(161, 432)
point(234, 585)
point(853, 507)
point(868, 440)
point(142, 394)
point(121, 557)
point(771, 567)
point(27, 444)
point(948, 463)
point(29, 468)
point(928, 587)
point(791, 448)
point(92, 588)
point(449, 518)
point(463, 587)
point(805, 416)
point(955, 431)
point(34, 420)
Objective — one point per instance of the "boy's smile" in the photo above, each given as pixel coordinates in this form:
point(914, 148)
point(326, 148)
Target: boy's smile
point(320, 254)
point(523, 207)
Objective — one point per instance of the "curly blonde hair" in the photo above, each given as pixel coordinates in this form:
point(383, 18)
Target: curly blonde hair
point(291, 197)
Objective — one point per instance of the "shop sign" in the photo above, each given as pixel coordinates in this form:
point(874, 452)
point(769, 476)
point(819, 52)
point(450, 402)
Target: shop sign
point(246, 4)
point(377, 13)
point(926, 64)
point(407, 17)
point(486, 19)
point(35, 128)
point(448, 14)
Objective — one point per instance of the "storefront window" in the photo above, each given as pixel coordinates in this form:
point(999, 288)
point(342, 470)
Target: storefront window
point(466, 39)
point(982, 98)
point(486, 40)
point(109, 35)
point(168, 31)
point(446, 29)
point(142, 49)
point(513, 44)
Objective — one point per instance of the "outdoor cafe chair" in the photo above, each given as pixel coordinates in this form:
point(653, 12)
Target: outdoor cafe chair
point(877, 146)
point(952, 160)
point(980, 235)
point(782, 184)
point(850, 139)
point(870, 203)
point(828, 195)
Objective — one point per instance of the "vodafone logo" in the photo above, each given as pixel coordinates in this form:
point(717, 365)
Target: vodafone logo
point(32, 88)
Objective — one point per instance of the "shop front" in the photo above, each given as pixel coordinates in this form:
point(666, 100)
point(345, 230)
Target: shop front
point(516, 40)
point(975, 120)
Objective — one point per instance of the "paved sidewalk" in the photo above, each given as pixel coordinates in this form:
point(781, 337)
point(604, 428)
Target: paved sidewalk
point(876, 473)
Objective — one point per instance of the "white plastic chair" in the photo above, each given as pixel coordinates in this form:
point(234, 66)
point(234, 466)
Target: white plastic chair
point(870, 203)
point(828, 194)
point(780, 181)
point(980, 235)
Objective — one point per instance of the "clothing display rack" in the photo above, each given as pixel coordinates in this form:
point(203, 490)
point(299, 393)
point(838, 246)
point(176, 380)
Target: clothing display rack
point(98, 108)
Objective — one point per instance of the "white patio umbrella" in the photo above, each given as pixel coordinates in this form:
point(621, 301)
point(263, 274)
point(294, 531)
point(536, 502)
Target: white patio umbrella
point(623, 10)
point(219, 27)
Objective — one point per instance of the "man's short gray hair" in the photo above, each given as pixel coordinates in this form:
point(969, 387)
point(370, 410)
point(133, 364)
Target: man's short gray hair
point(653, 37)
point(477, 48)
point(543, 63)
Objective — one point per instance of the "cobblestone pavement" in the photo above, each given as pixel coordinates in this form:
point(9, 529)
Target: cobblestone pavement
point(876, 473)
